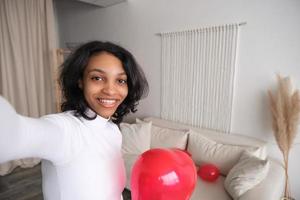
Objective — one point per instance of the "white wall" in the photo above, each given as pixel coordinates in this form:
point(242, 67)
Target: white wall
point(269, 44)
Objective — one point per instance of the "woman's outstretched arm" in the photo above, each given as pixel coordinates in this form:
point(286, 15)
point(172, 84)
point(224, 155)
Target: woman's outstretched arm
point(22, 137)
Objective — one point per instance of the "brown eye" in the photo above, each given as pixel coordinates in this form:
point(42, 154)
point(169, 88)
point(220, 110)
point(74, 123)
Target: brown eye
point(122, 81)
point(97, 78)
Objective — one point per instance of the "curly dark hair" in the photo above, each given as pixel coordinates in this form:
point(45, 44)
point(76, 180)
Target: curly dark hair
point(72, 71)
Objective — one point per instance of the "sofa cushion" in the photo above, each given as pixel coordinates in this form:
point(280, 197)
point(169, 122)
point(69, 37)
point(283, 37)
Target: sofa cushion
point(224, 156)
point(168, 138)
point(272, 187)
point(136, 137)
point(210, 191)
point(218, 136)
point(162, 137)
point(247, 173)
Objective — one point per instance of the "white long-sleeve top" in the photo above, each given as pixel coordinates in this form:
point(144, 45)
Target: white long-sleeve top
point(81, 158)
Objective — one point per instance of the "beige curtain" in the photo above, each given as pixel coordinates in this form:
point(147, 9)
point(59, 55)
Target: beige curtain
point(27, 55)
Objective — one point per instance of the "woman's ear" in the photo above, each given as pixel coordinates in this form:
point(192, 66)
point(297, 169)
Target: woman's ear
point(80, 84)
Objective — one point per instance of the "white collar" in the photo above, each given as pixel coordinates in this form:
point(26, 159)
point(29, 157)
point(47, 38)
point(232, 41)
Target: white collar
point(99, 120)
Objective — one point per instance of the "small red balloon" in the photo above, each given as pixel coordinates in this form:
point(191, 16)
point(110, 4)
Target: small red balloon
point(208, 172)
point(163, 174)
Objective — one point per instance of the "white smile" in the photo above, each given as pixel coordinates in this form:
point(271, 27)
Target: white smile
point(107, 102)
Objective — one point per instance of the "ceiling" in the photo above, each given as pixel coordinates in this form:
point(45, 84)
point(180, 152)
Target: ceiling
point(102, 3)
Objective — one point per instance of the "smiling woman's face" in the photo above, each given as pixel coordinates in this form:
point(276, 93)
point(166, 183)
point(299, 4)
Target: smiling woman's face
point(104, 84)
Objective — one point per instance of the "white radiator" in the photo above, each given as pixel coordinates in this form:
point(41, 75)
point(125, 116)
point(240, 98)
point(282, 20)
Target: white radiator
point(198, 69)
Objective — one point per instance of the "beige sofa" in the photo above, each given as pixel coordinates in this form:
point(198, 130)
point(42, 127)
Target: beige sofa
point(165, 134)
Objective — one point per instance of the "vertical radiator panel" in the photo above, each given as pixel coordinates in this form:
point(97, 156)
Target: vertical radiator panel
point(198, 69)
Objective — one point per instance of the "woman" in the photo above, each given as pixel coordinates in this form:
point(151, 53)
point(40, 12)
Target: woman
point(101, 83)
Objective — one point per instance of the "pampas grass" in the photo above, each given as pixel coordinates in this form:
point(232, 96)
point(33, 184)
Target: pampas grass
point(285, 108)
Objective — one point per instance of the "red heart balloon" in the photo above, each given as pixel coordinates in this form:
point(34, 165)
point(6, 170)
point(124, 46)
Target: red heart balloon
point(163, 174)
point(208, 172)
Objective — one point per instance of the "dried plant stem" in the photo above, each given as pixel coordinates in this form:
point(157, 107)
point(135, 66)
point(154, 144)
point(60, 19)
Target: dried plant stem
point(286, 166)
point(285, 108)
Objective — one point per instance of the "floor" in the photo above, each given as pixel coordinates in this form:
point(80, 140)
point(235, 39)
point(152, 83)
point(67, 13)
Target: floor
point(25, 184)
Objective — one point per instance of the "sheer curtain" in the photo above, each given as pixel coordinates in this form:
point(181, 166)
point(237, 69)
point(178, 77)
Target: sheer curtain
point(27, 55)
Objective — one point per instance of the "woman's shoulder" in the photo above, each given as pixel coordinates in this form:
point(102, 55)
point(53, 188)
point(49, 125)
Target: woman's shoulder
point(114, 126)
point(70, 131)
point(66, 114)
point(63, 118)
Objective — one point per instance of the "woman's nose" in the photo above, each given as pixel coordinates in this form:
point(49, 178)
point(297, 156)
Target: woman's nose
point(109, 88)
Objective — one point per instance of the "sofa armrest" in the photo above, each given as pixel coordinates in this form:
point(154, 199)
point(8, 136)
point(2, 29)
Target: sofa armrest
point(271, 187)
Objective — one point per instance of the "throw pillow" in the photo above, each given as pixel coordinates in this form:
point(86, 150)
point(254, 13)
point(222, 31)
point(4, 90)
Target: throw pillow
point(162, 137)
point(247, 173)
point(168, 138)
point(136, 137)
point(205, 150)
